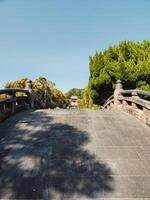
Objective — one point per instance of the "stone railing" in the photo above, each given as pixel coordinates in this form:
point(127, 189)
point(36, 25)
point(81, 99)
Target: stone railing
point(135, 102)
point(13, 103)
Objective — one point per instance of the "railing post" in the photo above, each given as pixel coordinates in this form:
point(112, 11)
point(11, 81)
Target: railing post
point(117, 91)
point(134, 97)
point(29, 88)
point(13, 104)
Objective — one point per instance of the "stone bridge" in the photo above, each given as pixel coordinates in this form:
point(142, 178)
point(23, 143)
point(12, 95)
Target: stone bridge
point(77, 154)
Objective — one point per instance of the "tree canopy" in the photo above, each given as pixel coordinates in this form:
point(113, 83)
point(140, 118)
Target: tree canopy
point(46, 93)
point(128, 61)
point(74, 92)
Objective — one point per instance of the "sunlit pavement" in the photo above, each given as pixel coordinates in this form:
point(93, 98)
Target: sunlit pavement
point(74, 154)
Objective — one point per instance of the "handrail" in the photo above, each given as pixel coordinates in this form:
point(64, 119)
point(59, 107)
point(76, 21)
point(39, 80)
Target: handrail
point(143, 93)
point(13, 103)
point(138, 92)
point(110, 98)
point(127, 92)
point(133, 101)
point(13, 90)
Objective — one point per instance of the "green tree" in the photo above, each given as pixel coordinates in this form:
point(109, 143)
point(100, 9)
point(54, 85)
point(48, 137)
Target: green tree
point(74, 92)
point(47, 96)
point(128, 61)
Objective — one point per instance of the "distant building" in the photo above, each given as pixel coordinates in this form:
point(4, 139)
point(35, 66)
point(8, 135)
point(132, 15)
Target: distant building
point(74, 101)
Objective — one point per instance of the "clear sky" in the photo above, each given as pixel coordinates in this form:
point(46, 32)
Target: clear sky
point(54, 38)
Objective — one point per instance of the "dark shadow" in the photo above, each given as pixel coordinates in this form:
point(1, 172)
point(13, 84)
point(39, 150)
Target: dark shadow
point(50, 162)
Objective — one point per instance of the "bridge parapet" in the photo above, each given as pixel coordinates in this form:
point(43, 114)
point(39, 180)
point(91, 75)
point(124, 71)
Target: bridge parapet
point(135, 102)
point(13, 102)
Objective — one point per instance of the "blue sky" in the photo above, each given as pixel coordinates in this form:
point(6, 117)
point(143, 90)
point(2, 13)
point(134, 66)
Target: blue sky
point(54, 38)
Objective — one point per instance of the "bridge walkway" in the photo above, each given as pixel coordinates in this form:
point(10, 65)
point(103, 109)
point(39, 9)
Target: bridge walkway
point(74, 154)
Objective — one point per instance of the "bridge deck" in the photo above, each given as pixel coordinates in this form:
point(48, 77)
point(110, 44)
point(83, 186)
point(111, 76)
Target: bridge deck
point(75, 154)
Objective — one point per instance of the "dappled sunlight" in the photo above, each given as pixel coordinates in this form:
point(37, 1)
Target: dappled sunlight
point(51, 161)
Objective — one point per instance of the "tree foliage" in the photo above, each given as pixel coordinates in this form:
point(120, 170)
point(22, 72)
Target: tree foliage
point(46, 94)
point(59, 99)
point(128, 61)
point(20, 83)
point(85, 100)
point(74, 92)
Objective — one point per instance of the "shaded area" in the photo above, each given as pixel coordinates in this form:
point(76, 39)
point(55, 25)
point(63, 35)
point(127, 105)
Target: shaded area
point(42, 159)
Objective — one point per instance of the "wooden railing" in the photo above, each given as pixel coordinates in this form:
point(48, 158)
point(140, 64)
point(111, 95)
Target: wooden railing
point(135, 102)
point(13, 103)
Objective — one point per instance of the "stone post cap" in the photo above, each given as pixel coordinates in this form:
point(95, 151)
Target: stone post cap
point(119, 82)
point(119, 85)
point(28, 85)
point(28, 81)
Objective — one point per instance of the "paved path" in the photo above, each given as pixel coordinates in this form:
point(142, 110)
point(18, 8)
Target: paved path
point(75, 154)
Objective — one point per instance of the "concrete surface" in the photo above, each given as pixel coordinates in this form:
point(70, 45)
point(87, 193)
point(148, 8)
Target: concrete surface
point(74, 154)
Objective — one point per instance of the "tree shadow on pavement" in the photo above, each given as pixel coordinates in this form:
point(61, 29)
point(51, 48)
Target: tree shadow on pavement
point(50, 163)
